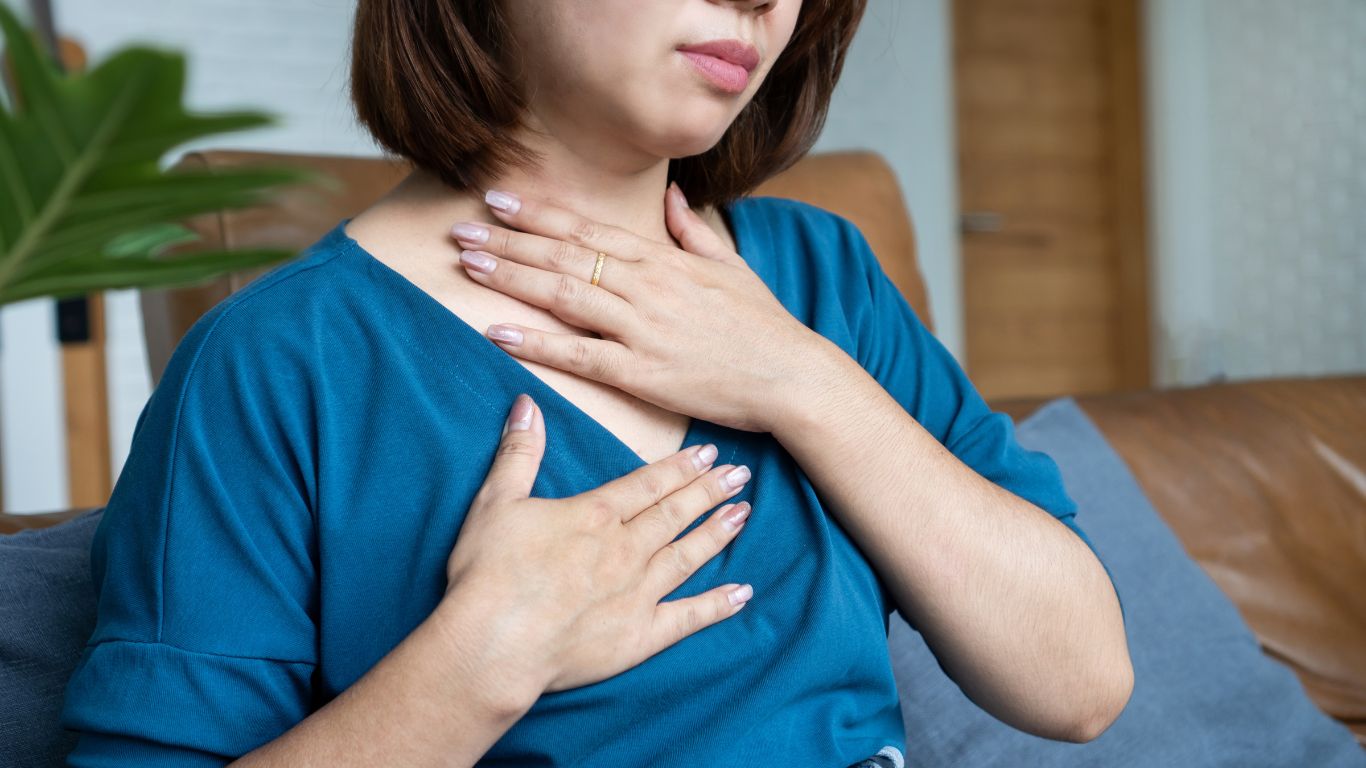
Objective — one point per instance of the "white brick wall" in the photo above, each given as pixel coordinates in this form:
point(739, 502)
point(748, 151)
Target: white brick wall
point(1288, 115)
point(1259, 188)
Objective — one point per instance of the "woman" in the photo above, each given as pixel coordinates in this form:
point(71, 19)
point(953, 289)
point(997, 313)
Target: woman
point(319, 552)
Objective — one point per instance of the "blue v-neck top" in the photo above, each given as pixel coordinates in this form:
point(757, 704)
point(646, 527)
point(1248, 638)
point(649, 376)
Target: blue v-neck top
point(298, 478)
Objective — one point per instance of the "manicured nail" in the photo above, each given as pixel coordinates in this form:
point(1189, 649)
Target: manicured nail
point(735, 516)
point(504, 333)
point(474, 233)
point(741, 594)
point(704, 456)
point(482, 261)
point(503, 201)
point(520, 417)
point(737, 477)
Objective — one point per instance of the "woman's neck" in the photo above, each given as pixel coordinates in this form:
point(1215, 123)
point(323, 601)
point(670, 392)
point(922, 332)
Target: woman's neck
point(425, 209)
point(633, 202)
point(617, 185)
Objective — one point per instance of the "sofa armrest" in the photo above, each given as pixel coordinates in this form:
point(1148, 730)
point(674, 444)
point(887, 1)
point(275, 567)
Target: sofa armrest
point(1264, 482)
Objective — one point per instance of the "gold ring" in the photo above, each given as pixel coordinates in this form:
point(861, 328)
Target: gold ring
point(597, 268)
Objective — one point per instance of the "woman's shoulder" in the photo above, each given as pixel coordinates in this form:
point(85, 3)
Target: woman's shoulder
point(271, 321)
point(796, 229)
point(801, 249)
point(789, 215)
point(302, 278)
point(282, 299)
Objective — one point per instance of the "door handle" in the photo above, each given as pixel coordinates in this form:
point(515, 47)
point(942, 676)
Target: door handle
point(980, 222)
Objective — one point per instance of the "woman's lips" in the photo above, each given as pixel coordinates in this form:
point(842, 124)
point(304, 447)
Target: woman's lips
point(731, 78)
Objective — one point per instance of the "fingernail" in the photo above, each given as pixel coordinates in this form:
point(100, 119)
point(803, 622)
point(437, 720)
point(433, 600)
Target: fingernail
point(474, 233)
point(735, 516)
point(478, 260)
point(503, 201)
point(741, 594)
point(682, 197)
point(704, 456)
point(520, 418)
point(737, 477)
point(504, 333)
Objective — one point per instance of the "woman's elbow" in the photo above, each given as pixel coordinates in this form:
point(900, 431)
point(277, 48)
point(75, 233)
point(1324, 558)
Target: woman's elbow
point(1112, 691)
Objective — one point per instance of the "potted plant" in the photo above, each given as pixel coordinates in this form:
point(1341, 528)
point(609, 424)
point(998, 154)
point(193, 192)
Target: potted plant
point(84, 203)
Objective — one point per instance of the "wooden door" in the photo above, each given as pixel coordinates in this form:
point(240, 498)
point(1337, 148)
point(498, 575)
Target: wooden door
point(1050, 161)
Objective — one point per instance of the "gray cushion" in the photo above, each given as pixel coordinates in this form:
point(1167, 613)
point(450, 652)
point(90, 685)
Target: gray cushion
point(47, 612)
point(1204, 693)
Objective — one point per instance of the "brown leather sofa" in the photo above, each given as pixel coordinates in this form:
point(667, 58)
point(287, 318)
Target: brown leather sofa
point(1263, 481)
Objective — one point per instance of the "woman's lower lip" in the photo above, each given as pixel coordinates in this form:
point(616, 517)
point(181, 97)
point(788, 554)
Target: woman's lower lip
point(731, 78)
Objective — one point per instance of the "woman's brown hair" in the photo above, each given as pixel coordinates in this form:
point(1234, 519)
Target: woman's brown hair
point(427, 83)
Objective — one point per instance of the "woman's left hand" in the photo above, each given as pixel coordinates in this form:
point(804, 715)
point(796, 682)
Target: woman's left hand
point(693, 330)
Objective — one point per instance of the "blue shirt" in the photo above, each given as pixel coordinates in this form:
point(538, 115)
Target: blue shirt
point(298, 477)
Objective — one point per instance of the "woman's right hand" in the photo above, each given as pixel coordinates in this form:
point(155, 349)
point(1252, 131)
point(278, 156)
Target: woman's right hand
point(573, 586)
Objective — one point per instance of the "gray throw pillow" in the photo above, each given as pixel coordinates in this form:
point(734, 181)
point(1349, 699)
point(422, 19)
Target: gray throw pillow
point(1204, 693)
point(47, 613)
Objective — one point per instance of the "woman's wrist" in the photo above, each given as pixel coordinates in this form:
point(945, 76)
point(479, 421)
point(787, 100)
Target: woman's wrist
point(828, 372)
point(492, 648)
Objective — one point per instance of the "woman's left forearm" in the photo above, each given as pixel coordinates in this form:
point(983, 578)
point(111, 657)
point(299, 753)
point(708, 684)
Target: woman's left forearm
point(1014, 605)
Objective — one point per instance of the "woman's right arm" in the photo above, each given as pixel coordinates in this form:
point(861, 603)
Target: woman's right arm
point(503, 634)
point(440, 697)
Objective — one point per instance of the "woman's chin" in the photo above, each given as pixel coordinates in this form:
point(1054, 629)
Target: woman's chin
point(687, 144)
point(692, 150)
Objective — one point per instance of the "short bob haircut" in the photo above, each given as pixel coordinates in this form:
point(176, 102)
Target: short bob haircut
point(427, 83)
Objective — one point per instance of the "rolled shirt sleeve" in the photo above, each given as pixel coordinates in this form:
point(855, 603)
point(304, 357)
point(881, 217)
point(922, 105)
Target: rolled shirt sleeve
point(203, 563)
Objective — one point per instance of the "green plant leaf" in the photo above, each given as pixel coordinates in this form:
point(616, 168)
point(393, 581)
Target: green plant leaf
point(143, 273)
point(86, 205)
point(150, 240)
